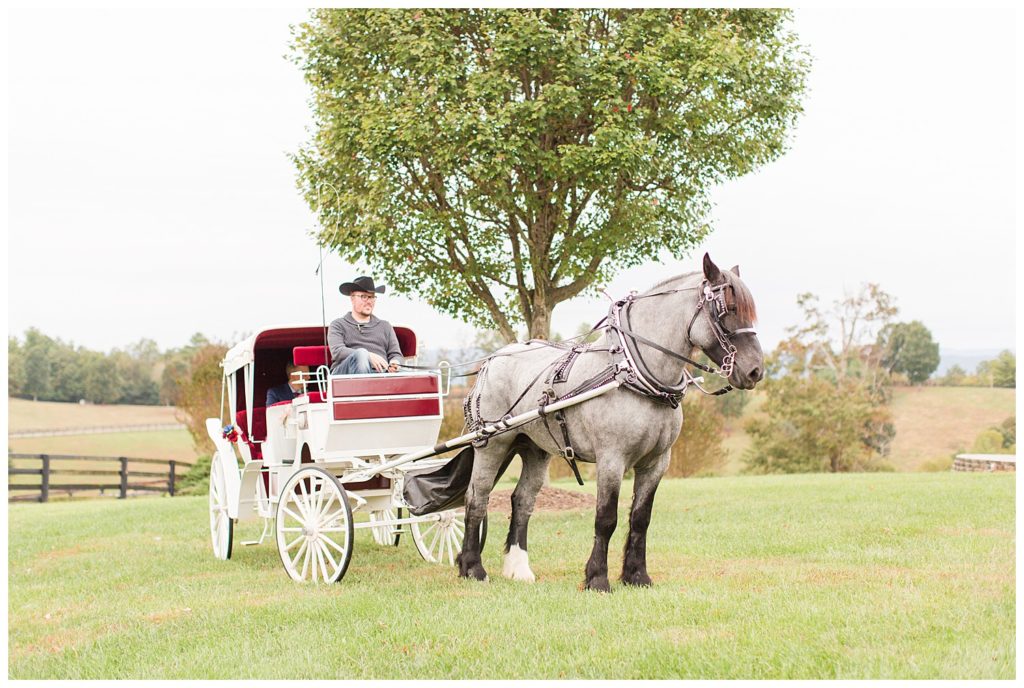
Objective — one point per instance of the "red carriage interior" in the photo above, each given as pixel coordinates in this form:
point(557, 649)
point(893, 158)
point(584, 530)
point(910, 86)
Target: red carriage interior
point(273, 350)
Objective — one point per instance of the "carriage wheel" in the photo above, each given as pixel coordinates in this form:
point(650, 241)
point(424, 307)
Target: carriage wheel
point(314, 526)
point(222, 528)
point(386, 535)
point(440, 541)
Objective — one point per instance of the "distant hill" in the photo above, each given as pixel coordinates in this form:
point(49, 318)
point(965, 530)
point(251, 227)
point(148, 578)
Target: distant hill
point(968, 359)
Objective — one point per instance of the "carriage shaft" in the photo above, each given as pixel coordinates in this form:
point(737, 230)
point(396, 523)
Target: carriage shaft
point(496, 428)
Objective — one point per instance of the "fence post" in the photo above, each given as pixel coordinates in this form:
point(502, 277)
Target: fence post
point(124, 478)
point(170, 480)
point(44, 488)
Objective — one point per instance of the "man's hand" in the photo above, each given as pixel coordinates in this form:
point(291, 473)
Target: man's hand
point(378, 363)
point(393, 367)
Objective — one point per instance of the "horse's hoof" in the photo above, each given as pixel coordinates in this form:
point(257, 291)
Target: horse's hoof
point(476, 572)
point(599, 584)
point(517, 565)
point(637, 579)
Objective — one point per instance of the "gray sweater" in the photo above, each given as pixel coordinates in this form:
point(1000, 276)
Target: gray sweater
point(377, 337)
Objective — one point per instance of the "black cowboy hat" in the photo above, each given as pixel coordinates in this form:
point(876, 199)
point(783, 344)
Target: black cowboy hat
point(360, 284)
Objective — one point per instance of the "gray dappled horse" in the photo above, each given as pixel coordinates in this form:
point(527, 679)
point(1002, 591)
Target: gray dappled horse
point(630, 427)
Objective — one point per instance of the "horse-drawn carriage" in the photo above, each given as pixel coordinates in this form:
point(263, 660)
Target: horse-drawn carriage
point(348, 443)
point(294, 464)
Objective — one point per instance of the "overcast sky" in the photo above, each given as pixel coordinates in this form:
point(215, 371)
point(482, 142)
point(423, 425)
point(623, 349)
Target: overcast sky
point(150, 194)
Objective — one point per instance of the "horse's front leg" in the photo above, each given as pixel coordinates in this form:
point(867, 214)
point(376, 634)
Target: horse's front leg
point(645, 484)
point(609, 481)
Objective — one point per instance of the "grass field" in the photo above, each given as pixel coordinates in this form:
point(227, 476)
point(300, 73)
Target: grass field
point(24, 414)
point(811, 576)
point(931, 423)
point(156, 444)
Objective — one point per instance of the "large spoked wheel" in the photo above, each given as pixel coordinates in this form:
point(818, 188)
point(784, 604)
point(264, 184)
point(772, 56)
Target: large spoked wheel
point(222, 528)
point(439, 542)
point(314, 527)
point(386, 535)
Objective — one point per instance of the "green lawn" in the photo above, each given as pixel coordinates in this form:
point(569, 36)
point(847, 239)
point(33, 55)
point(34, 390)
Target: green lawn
point(811, 576)
point(154, 444)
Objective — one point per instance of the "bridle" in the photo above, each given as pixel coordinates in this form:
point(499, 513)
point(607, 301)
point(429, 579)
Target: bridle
point(715, 302)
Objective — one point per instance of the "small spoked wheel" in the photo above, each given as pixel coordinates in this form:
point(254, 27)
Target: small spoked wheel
point(221, 526)
point(440, 541)
point(385, 534)
point(314, 526)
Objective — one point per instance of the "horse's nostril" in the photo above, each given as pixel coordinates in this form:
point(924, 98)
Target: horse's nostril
point(755, 374)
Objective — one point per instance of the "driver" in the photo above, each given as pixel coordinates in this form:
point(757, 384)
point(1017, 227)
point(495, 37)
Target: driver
point(360, 342)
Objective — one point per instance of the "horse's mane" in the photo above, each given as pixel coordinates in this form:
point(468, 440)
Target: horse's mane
point(745, 308)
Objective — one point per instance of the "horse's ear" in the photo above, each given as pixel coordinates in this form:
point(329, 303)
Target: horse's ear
point(735, 269)
point(711, 271)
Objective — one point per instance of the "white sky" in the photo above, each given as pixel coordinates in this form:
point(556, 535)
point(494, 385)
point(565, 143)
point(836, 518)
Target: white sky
point(150, 194)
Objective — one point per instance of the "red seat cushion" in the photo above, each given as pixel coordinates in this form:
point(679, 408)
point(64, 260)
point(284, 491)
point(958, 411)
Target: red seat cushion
point(311, 356)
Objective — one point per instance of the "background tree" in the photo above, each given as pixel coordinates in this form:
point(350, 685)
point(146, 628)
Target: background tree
point(998, 372)
point(955, 376)
point(699, 450)
point(495, 163)
point(15, 367)
point(826, 406)
point(908, 348)
point(199, 393)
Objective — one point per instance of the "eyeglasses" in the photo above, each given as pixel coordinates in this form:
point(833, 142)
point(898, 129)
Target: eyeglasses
point(366, 297)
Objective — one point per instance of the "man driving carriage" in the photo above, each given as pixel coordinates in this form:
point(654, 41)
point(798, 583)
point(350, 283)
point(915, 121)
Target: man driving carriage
point(359, 341)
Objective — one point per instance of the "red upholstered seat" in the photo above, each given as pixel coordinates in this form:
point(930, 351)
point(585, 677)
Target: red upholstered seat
point(311, 356)
point(406, 340)
point(314, 397)
point(259, 430)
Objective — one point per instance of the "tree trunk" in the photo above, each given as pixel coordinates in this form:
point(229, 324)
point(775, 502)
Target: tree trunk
point(540, 325)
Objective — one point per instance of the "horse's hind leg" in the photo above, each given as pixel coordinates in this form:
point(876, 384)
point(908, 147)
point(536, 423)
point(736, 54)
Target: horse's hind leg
point(487, 462)
point(535, 466)
point(609, 481)
point(645, 484)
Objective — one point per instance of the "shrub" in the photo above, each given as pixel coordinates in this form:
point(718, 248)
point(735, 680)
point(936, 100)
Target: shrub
point(698, 450)
point(197, 480)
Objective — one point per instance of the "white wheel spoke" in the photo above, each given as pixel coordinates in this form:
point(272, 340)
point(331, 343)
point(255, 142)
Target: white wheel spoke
point(333, 544)
point(433, 543)
point(291, 530)
point(327, 553)
point(323, 564)
point(325, 506)
point(332, 516)
point(305, 563)
point(302, 498)
point(292, 543)
point(298, 555)
point(294, 515)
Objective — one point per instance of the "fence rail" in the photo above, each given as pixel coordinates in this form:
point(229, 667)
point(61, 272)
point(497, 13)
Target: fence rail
point(158, 481)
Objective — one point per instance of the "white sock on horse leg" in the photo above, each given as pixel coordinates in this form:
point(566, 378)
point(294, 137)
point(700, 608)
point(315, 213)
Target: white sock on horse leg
point(517, 565)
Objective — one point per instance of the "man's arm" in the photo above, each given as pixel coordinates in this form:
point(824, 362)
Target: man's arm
point(394, 350)
point(336, 343)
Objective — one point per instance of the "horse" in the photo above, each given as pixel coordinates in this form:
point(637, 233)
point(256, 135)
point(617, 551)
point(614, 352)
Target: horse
point(633, 426)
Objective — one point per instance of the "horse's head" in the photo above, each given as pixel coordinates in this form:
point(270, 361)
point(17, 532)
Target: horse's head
point(726, 327)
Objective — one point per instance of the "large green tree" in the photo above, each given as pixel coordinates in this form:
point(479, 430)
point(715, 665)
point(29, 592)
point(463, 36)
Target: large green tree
point(908, 348)
point(498, 162)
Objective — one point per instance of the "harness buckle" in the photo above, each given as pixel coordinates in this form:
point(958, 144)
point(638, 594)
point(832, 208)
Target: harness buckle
point(569, 453)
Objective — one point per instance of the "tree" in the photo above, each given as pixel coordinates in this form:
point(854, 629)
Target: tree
point(698, 449)
point(999, 372)
point(495, 163)
point(826, 405)
point(38, 348)
point(908, 348)
point(199, 393)
point(956, 376)
point(15, 367)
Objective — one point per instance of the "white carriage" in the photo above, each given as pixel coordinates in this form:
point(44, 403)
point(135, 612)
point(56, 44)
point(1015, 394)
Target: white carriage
point(307, 467)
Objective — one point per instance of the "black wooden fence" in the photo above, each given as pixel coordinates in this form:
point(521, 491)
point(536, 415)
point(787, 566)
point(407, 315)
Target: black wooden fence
point(128, 482)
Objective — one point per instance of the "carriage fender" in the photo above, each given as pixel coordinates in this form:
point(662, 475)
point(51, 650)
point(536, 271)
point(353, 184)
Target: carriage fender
point(225, 454)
